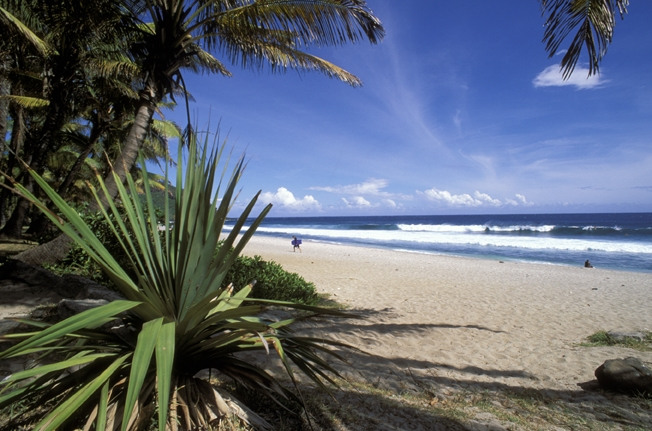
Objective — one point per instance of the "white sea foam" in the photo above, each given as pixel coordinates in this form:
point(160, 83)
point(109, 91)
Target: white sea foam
point(472, 228)
point(465, 237)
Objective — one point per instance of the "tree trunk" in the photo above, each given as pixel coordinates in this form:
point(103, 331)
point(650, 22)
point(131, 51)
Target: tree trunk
point(133, 143)
point(14, 226)
point(55, 250)
point(4, 110)
point(40, 223)
point(94, 137)
point(38, 148)
point(18, 132)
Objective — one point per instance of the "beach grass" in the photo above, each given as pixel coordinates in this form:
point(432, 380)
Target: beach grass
point(641, 342)
point(363, 406)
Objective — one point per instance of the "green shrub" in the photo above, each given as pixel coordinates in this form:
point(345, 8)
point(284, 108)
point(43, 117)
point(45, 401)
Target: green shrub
point(604, 338)
point(272, 281)
point(148, 359)
point(78, 261)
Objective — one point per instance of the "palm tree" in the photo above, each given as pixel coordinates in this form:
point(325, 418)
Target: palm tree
point(182, 34)
point(595, 21)
point(63, 40)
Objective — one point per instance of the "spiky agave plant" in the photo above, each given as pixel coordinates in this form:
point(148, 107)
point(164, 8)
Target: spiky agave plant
point(94, 374)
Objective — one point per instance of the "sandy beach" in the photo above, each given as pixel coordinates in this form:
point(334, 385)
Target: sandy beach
point(497, 341)
point(448, 322)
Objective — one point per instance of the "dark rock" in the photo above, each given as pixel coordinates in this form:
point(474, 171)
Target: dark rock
point(69, 307)
point(627, 375)
point(625, 336)
point(66, 286)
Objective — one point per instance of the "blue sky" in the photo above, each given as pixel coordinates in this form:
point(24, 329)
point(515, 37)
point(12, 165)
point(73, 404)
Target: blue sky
point(461, 112)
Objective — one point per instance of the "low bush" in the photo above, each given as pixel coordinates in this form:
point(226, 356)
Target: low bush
point(272, 281)
point(78, 262)
point(604, 338)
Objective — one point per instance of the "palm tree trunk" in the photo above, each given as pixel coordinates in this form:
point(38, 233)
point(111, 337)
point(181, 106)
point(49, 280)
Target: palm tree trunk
point(93, 138)
point(36, 150)
point(133, 143)
point(4, 111)
point(55, 250)
point(14, 226)
point(18, 133)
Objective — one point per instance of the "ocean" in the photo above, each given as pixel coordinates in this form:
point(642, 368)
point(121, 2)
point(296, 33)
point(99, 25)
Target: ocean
point(620, 241)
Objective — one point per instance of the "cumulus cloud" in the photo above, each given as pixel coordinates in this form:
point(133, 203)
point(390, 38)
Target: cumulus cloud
point(551, 77)
point(485, 198)
point(522, 199)
point(444, 196)
point(286, 199)
point(476, 199)
point(368, 194)
point(519, 200)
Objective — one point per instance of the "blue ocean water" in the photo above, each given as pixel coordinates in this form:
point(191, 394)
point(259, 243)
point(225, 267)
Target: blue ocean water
point(621, 241)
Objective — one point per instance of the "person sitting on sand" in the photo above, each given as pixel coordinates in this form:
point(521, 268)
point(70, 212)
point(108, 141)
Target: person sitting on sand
point(587, 264)
point(296, 244)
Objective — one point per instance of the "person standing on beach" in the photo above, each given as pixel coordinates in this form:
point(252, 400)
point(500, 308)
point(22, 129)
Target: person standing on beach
point(296, 244)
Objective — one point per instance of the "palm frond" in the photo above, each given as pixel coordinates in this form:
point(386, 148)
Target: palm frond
point(41, 46)
point(316, 22)
point(593, 22)
point(26, 101)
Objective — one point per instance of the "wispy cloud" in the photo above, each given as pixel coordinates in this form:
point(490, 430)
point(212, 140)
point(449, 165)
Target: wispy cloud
point(551, 77)
point(370, 187)
point(286, 199)
point(367, 194)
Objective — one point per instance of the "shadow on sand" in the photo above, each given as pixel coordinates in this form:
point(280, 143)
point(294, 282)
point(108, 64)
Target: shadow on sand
point(587, 408)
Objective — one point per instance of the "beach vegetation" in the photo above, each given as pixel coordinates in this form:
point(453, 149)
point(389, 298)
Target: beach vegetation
point(505, 407)
point(269, 279)
point(272, 281)
point(641, 342)
point(77, 261)
point(177, 349)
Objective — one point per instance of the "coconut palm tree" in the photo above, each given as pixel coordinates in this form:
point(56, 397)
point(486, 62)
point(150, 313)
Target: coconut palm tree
point(177, 35)
point(594, 20)
point(182, 34)
point(62, 40)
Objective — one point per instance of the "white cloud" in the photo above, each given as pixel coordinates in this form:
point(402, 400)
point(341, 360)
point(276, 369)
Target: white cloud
point(551, 77)
point(286, 199)
point(519, 200)
point(372, 186)
point(476, 199)
point(390, 203)
point(356, 202)
point(464, 200)
point(485, 198)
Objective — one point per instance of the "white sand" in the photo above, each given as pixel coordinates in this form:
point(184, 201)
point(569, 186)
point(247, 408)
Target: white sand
point(459, 321)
